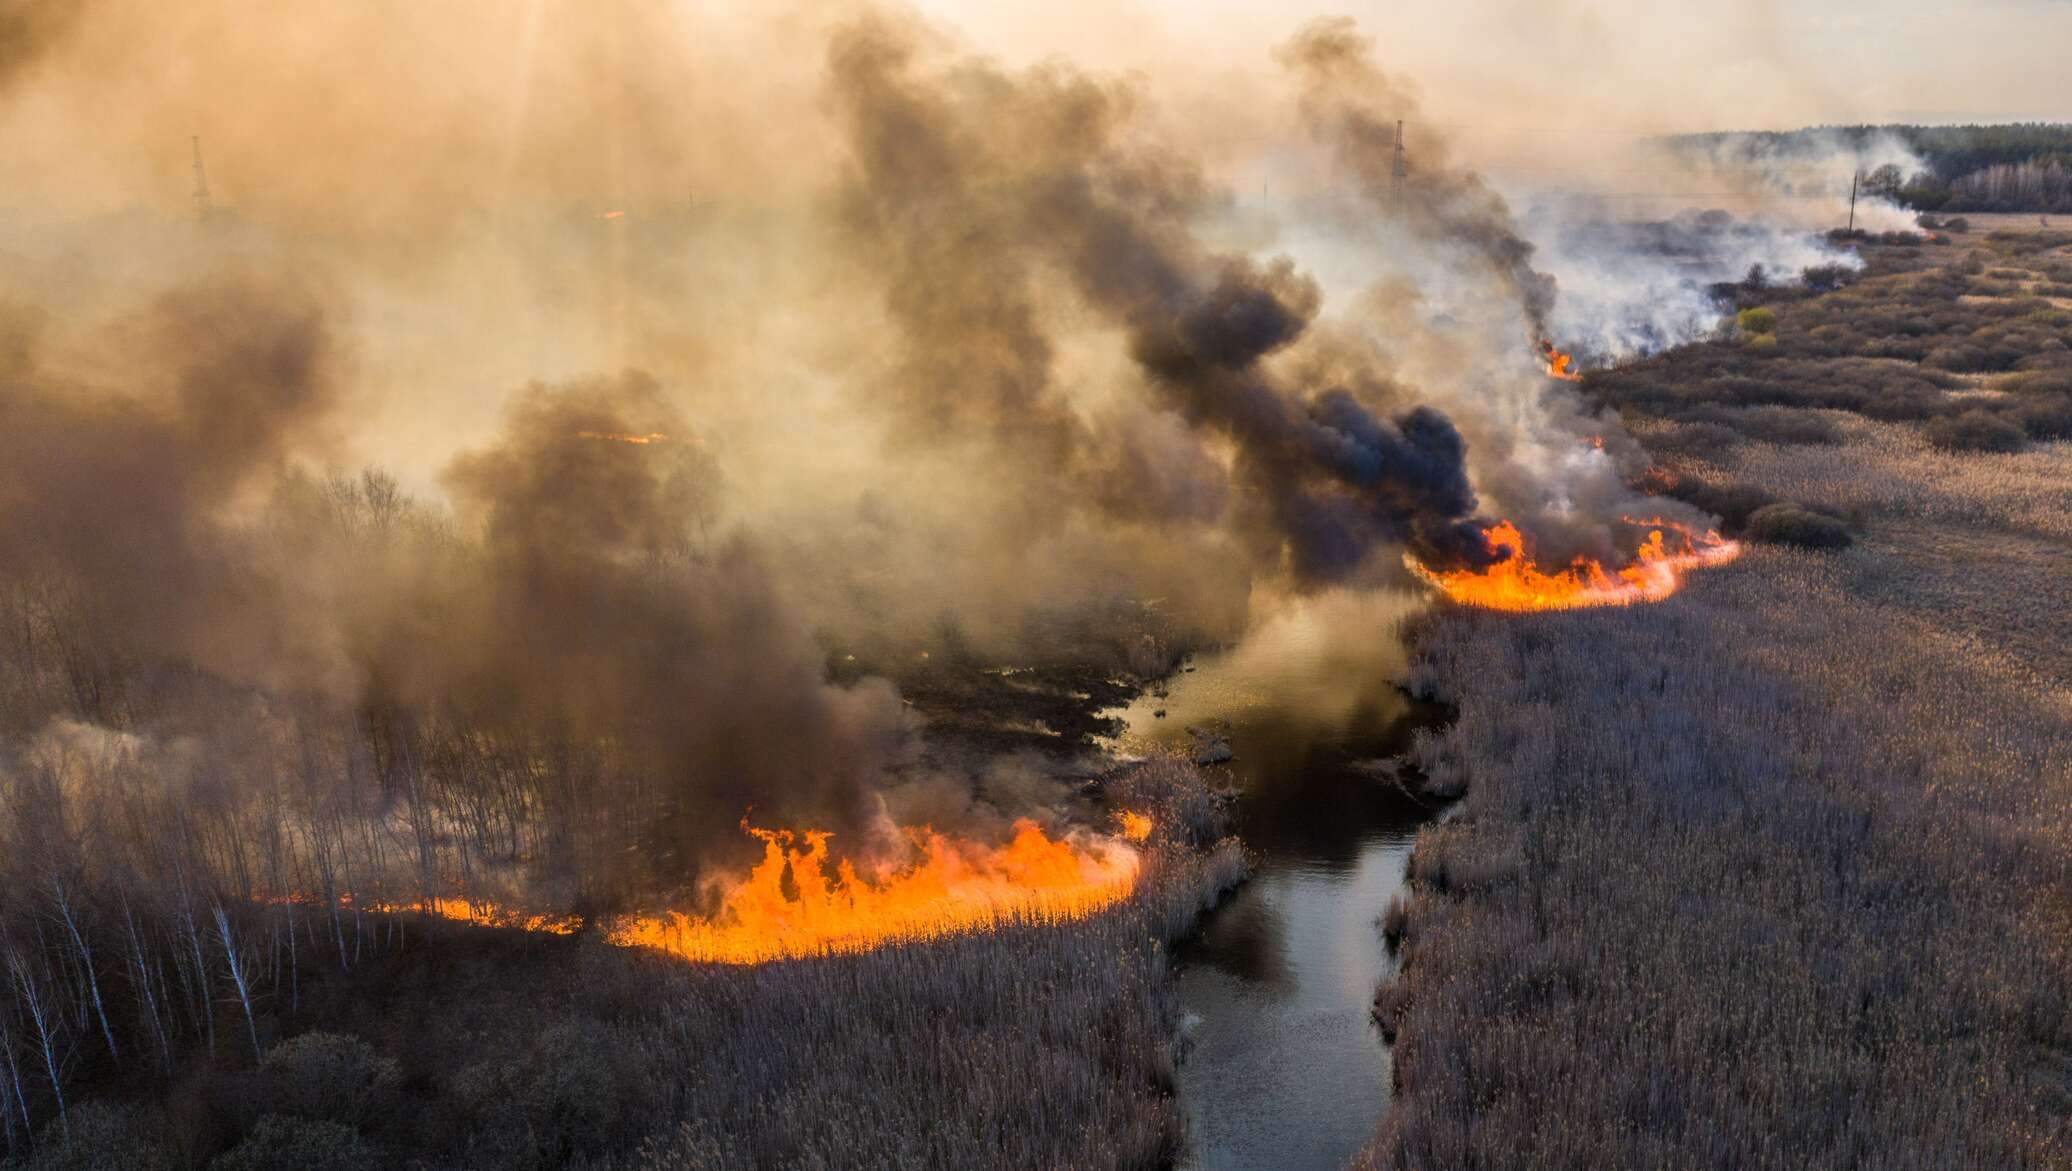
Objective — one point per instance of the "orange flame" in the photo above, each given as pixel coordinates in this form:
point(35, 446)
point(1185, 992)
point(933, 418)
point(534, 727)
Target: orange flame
point(1515, 582)
point(954, 886)
point(491, 915)
point(1557, 362)
point(623, 437)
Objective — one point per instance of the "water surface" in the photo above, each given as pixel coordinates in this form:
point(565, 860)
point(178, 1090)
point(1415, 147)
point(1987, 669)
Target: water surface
point(1285, 1070)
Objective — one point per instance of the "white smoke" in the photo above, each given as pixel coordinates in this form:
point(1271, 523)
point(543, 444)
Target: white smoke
point(1630, 288)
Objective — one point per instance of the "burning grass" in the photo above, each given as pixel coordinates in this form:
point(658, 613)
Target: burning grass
point(795, 903)
point(799, 902)
point(1517, 582)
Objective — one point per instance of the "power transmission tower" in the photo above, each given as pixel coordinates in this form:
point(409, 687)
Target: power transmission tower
point(1853, 180)
point(1396, 170)
point(202, 208)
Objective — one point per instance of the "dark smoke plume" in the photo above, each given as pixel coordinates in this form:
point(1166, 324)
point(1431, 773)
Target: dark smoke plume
point(1351, 104)
point(113, 498)
point(977, 185)
point(602, 613)
point(583, 634)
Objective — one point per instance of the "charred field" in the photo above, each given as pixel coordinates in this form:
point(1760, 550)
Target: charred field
point(1778, 873)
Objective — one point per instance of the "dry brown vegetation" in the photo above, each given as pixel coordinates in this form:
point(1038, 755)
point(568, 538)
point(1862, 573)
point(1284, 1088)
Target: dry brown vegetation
point(1027, 1045)
point(1778, 873)
point(1964, 338)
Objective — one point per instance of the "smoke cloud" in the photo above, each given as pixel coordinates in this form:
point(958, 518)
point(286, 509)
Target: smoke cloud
point(684, 379)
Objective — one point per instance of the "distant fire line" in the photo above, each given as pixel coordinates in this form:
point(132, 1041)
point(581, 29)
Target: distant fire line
point(628, 437)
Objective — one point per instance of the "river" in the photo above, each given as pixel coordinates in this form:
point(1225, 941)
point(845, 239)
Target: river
point(1284, 1070)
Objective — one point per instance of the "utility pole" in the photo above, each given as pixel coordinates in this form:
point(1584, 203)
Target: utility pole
point(1853, 180)
point(1396, 170)
point(201, 185)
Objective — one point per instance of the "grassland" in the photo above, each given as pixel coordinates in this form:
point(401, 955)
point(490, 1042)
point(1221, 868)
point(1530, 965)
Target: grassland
point(1778, 873)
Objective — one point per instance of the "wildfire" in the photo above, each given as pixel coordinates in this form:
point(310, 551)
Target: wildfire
point(1515, 582)
point(794, 904)
point(1557, 363)
point(1135, 826)
point(623, 437)
point(953, 886)
point(491, 915)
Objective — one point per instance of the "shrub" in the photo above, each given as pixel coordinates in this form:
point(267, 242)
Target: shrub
point(1732, 503)
point(1975, 430)
point(300, 1144)
point(1789, 524)
point(567, 1096)
point(1704, 426)
point(325, 1076)
point(1698, 438)
point(1826, 278)
point(2043, 416)
point(1757, 320)
point(102, 1137)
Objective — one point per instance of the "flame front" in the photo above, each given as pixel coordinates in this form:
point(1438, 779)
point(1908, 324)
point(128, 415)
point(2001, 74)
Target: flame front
point(1515, 582)
point(953, 886)
point(625, 437)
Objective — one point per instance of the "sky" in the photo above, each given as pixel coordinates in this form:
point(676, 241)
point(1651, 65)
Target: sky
point(1578, 68)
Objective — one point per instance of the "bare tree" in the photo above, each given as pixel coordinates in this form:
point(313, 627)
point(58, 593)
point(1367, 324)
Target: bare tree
point(41, 1014)
point(198, 990)
point(14, 1082)
point(237, 974)
point(61, 899)
point(140, 979)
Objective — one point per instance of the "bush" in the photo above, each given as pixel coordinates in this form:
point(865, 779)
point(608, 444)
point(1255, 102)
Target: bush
point(1757, 320)
point(1826, 278)
point(300, 1144)
point(575, 1092)
point(325, 1076)
point(1699, 438)
point(1789, 524)
point(103, 1137)
point(2043, 416)
point(1975, 430)
point(1732, 503)
point(1707, 427)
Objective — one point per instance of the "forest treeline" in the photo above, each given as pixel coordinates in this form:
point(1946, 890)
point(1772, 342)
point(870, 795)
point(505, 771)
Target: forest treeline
point(2020, 167)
